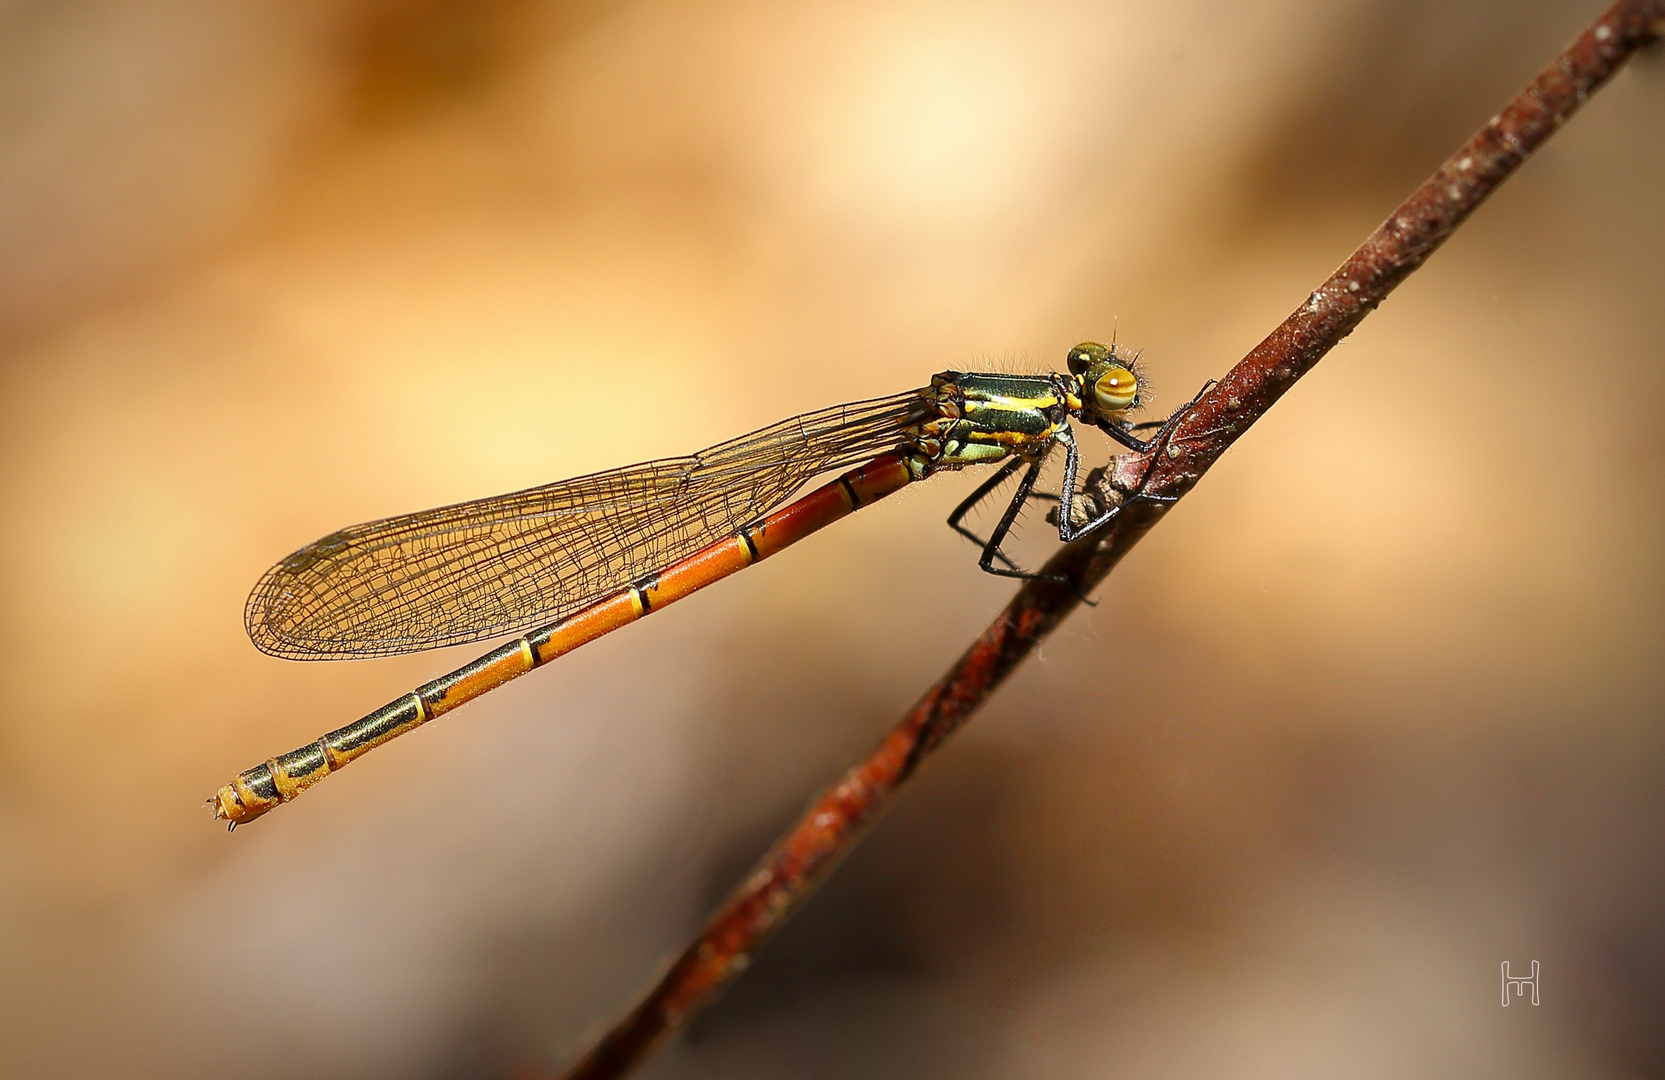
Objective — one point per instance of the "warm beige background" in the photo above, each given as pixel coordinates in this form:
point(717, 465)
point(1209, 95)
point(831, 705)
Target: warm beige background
point(1377, 709)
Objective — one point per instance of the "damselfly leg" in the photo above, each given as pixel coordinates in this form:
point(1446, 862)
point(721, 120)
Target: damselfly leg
point(970, 502)
point(1065, 514)
point(991, 549)
point(1026, 491)
point(1067, 529)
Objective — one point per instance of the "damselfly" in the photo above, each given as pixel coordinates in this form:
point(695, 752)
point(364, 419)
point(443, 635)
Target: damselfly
point(568, 562)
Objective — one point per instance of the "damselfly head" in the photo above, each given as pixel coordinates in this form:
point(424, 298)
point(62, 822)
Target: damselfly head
point(1109, 377)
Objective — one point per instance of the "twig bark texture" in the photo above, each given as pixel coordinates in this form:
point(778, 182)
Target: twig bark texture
point(832, 825)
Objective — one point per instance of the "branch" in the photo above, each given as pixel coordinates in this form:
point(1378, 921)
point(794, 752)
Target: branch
point(813, 846)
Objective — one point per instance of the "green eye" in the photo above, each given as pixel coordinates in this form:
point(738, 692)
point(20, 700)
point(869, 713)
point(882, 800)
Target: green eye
point(1085, 355)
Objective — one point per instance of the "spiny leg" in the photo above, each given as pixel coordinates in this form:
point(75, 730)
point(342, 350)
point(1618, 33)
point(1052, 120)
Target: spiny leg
point(1150, 425)
point(1066, 527)
point(991, 550)
point(1123, 432)
point(971, 501)
point(1066, 503)
point(1125, 436)
point(1066, 511)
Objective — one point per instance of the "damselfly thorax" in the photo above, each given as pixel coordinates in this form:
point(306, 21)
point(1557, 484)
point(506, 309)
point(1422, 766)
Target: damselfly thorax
point(567, 562)
point(984, 418)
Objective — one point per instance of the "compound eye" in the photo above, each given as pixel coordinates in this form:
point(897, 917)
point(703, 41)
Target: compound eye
point(1117, 389)
point(1085, 355)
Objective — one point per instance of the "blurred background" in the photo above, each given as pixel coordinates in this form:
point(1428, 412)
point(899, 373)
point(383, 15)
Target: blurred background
point(1376, 710)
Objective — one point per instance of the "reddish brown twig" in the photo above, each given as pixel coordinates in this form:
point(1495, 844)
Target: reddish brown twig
point(813, 846)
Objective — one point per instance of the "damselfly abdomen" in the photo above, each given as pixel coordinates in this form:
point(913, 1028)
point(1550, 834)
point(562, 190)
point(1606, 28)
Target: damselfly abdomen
point(565, 563)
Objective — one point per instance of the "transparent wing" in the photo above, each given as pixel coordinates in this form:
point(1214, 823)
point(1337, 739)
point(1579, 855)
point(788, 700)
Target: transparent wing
point(510, 563)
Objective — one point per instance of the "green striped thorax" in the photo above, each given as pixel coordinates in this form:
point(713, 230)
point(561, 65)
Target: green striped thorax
point(980, 418)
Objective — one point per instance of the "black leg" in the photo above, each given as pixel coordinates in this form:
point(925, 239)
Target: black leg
point(1066, 527)
point(971, 501)
point(991, 550)
point(1067, 530)
point(1124, 435)
point(1066, 491)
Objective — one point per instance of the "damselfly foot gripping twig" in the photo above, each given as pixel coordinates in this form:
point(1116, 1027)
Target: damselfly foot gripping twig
point(1105, 503)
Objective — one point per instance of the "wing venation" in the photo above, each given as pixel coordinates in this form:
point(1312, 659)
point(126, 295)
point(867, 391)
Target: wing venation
point(509, 563)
